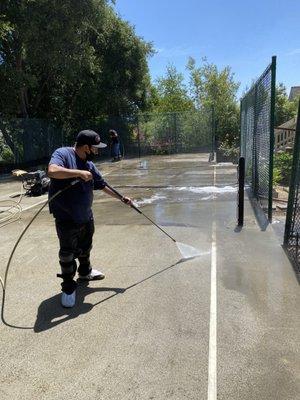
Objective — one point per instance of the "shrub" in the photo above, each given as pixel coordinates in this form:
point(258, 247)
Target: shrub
point(7, 155)
point(277, 177)
point(231, 152)
point(283, 167)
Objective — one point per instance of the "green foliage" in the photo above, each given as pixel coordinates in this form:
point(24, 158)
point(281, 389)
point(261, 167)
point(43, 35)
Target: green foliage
point(277, 177)
point(7, 155)
point(230, 151)
point(216, 90)
point(171, 92)
point(172, 132)
point(211, 92)
point(283, 168)
point(284, 109)
point(70, 62)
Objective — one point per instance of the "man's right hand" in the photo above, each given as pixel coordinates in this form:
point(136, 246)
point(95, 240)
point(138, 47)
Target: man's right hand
point(85, 175)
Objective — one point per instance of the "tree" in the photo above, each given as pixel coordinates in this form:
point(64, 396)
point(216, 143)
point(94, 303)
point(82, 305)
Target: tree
point(284, 109)
point(172, 94)
point(174, 123)
point(70, 62)
point(216, 91)
point(42, 48)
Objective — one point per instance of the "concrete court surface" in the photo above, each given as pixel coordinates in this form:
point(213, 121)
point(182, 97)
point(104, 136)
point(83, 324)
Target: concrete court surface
point(225, 325)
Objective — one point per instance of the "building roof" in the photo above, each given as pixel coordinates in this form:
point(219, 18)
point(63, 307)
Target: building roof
point(291, 124)
point(295, 92)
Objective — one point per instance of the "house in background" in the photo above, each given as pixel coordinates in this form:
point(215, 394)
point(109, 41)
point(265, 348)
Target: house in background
point(295, 92)
point(285, 136)
point(285, 133)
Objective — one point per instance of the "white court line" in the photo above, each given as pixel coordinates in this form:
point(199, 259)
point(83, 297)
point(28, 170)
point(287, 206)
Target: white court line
point(212, 351)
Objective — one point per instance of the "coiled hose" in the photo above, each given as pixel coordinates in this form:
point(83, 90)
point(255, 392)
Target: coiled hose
point(13, 211)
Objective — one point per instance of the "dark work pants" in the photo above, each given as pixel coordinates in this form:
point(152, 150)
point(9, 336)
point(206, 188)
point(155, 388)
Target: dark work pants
point(75, 242)
point(115, 150)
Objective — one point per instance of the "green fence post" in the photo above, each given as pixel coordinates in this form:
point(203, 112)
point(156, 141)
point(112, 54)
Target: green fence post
point(272, 139)
point(241, 131)
point(213, 128)
point(175, 131)
point(139, 140)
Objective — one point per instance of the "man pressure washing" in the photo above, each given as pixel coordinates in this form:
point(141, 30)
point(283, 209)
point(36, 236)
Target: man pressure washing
point(72, 209)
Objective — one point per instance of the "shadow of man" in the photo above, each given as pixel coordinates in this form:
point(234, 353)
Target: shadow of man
point(51, 313)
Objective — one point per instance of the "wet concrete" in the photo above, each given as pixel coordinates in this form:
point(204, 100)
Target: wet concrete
point(258, 321)
point(143, 332)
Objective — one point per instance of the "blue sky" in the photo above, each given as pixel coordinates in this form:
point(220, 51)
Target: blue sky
point(241, 34)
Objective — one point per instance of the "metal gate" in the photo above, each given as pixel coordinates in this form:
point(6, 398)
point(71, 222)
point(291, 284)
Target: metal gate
point(292, 226)
point(257, 136)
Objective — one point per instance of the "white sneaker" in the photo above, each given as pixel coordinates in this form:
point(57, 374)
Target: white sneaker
point(93, 275)
point(68, 300)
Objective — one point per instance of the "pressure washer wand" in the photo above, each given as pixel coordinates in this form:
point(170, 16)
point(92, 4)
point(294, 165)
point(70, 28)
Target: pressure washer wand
point(140, 212)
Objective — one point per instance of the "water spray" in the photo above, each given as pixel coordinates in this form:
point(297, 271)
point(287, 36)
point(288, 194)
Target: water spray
point(185, 250)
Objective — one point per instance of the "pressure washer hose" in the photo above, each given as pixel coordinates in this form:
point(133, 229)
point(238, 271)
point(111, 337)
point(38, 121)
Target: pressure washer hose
point(4, 281)
point(14, 210)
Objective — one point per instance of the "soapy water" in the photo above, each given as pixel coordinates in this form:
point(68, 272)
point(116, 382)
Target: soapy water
point(210, 197)
point(211, 193)
point(149, 200)
point(188, 252)
point(205, 189)
point(143, 164)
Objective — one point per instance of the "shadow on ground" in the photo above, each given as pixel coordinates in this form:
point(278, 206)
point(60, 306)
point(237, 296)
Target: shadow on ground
point(260, 215)
point(51, 313)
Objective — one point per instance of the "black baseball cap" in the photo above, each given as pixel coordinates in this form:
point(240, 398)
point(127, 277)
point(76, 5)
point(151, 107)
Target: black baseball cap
point(90, 138)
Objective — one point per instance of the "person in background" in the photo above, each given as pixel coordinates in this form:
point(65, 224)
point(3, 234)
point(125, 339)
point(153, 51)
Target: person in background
point(114, 145)
point(72, 209)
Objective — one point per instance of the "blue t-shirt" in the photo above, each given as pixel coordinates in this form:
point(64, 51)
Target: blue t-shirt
point(74, 204)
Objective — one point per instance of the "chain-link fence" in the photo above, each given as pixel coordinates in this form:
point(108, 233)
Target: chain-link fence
point(177, 132)
point(157, 133)
point(292, 227)
point(25, 142)
point(28, 142)
point(257, 136)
